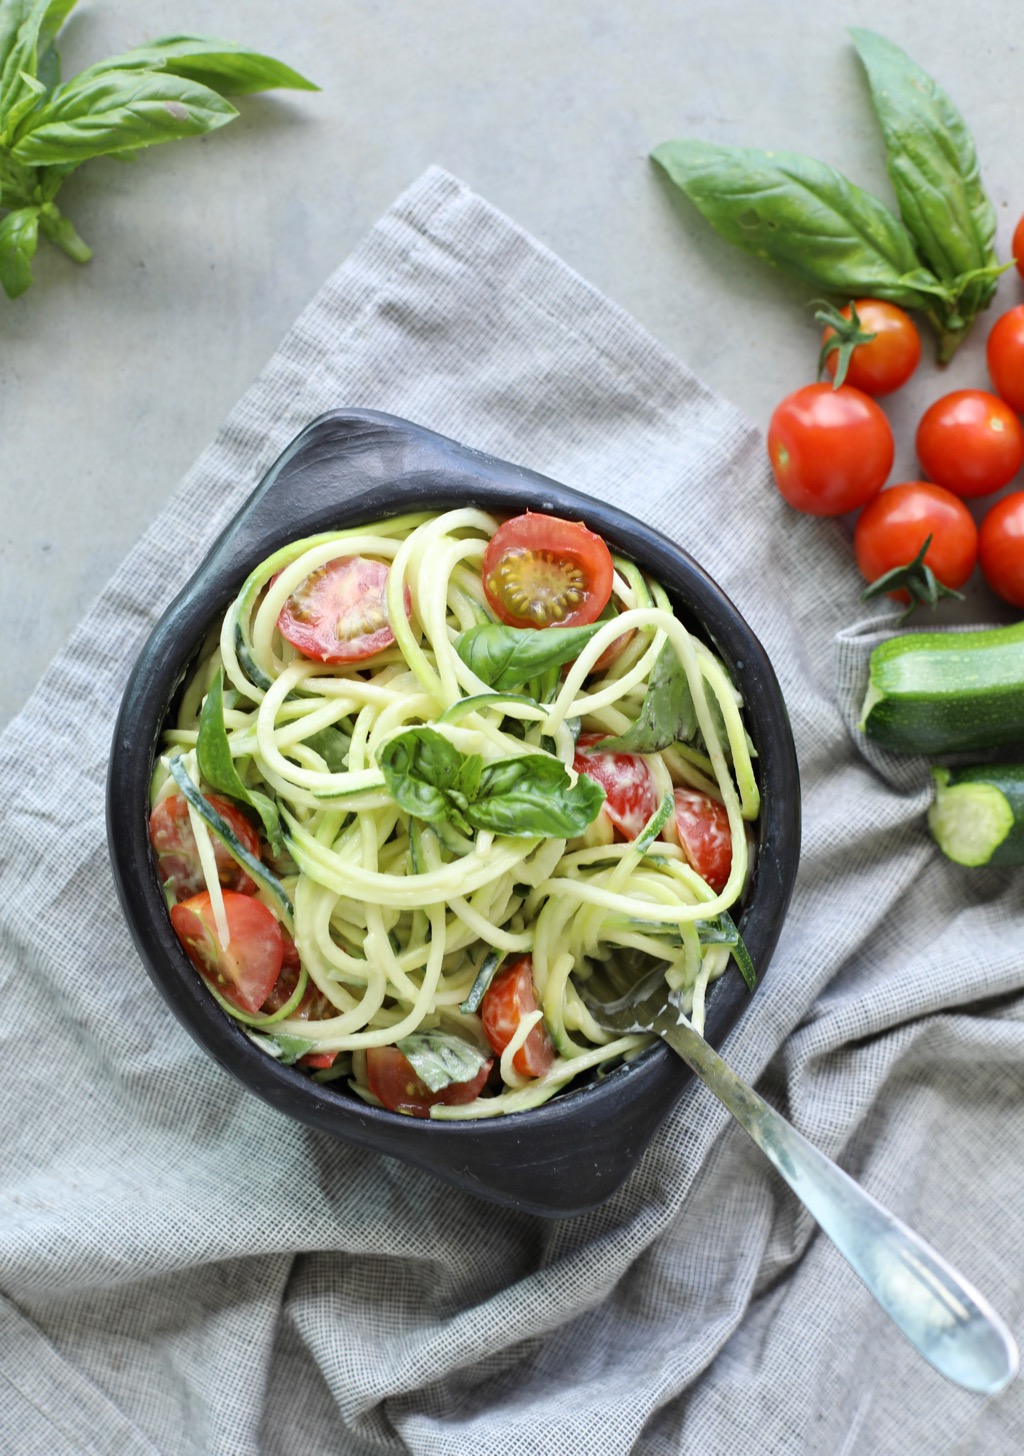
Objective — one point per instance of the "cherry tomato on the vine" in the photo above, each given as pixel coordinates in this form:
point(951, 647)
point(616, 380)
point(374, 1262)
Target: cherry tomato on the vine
point(971, 442)
point(830, 449)
point(541, 571)
point(1004, 354)
point(1018, 246)
point(339, 613)
point(887, 361)
point(892, 528)
point(1001, 548)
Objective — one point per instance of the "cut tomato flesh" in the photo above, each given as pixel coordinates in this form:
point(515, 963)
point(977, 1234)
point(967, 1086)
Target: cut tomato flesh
point(700, 826)
point(631, 794)
point(339, 613)
point(170, 833)
point(541, 571)
point(245, 970)
point(393, 1082)
point(509, 998)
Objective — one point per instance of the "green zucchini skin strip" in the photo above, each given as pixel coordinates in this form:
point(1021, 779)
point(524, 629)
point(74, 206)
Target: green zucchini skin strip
point(227, 836)
point(947, 692)
point(977, 817)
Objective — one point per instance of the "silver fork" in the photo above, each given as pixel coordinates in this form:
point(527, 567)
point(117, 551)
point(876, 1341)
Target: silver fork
point(951, 1324)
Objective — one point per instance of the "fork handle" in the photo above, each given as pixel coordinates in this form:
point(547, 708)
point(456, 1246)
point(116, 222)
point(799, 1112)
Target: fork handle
point(949, 1322)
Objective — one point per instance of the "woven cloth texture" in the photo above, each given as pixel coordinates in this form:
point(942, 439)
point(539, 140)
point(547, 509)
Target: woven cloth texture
point(185, 1271)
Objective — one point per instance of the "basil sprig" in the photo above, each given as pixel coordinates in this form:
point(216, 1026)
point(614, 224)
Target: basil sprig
point(808, 219)
point(160, 92)
point(527, 797)
point(667, 714)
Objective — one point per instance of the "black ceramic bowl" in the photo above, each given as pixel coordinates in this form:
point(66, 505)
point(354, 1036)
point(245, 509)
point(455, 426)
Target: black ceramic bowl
point(353, 466)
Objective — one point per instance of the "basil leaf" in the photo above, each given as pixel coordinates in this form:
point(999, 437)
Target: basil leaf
point(19, 235)
point(506, 657)
point(287, 1049)
point(532, 796)
point(422, 769)
point(217, 765)
point(17, 74)
point(667, 714)
point(231, 69)
point(439, 1059)
point(333, 746)
point(803, 216)
point(934, 169)
point(115, 111)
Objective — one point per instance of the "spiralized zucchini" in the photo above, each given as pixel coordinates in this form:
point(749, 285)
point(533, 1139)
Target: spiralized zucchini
point(392, 916)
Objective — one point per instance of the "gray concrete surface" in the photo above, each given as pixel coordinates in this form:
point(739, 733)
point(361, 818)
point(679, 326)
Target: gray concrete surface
point(115, 376)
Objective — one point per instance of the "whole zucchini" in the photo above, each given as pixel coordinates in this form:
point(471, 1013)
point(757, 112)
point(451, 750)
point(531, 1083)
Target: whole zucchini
point(977, 817)
point(947, 692)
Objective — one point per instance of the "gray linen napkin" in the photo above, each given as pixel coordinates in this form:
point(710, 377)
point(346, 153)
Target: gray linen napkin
point(186, 1272)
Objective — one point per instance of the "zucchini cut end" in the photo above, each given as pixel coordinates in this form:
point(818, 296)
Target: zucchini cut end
point(968, 821)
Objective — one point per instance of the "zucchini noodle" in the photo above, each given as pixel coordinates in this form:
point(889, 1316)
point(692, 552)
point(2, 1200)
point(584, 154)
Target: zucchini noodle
point(398, 918)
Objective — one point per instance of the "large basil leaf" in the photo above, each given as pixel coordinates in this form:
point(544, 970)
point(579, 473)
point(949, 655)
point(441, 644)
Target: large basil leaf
point(506, 657)
point(116, 111)
point(19, 89)
point(528, 797)
point(531, 796)
point(934, 169)
point(803, 216)
point(231, 69)
point(667, 714)
point(19, 234)
point(217, 765)
point(439, 1059)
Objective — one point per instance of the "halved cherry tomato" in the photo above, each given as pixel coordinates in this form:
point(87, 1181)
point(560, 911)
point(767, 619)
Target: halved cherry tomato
point(541, 571)
point(892, 528)
point(971, 442)
point(392, 1080)
point(830, 449)
point(631, 794)
point(700, 826)
point(313, 1006)
point(170, 833)
point(339, 613)
point(889, 359)
point(509, 998)
point(1004, 354)
point(1018, 246)
point(245, 970)
point(1001, 548)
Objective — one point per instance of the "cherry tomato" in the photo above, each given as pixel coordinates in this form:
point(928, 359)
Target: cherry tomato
point(889, 359)
point(1001, 548)
point(394, 1083)
point(1018, 246)
point(541, 571)
point(339, 613)
point(170, 833)
point(1004, 353)
point(245, 970)
point(700, 827)
point(891, 529)
point(971, 442)
point(509, 998)
point(631, 794)
point(830, 449)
